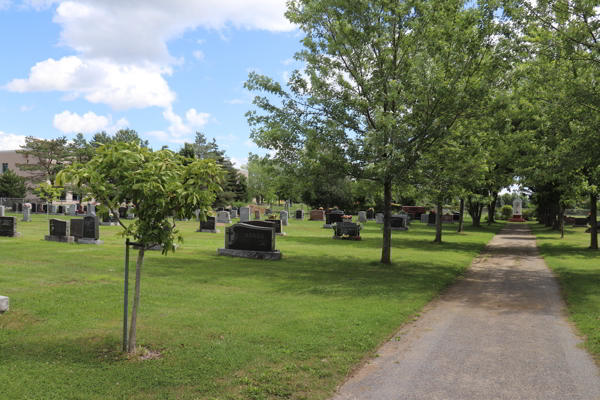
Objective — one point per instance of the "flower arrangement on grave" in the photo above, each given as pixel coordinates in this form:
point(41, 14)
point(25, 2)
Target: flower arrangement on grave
point(370, 208)
point(320, 208)
point(26, 205)
point(272, 216)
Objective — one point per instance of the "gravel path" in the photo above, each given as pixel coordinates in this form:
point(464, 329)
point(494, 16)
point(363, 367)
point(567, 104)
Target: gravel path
point(500, 333)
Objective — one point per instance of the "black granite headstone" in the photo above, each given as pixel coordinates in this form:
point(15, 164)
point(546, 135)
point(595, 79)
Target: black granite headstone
point(397, 221)
point(14, 207)
point(91, 228)
point(20, 207)
point(347, 228)
point(242, 236)
point(122, 212)
point(210, 224)
point(59, 227)
point(8, 226)
point(370, 214)
point(220, 209)
point(334, 216)
point(456, 217)
point(276, 223)
point(432, 218)
point(299, 214)
point(77, 227)
point(60, 210)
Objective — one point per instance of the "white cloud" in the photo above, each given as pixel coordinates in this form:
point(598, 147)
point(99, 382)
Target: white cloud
point(250, 143)
point(286, 76)
point(26, 108)
point(120, 86)
point(5, 4)
point(288, 61)
point(238, 162)
point(197, 119)
point(69, 122)
point(235, 101)
point(10, 141)
point(201, 41)
point(199, 54)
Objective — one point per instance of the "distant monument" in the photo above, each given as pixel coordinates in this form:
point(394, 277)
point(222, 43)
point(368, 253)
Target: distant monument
point(517, 211)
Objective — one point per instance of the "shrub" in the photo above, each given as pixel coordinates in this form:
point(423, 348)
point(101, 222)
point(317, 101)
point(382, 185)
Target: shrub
point(507, 211)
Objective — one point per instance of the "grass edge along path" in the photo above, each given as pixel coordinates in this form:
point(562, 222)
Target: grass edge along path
point(226, 328)
point(578, 271)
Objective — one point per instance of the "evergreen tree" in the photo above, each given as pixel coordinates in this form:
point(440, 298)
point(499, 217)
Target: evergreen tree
point(12, 185)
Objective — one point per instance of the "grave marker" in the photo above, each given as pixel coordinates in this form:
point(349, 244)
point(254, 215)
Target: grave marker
point(8, 227)
point(59, 231)
point(248, 241)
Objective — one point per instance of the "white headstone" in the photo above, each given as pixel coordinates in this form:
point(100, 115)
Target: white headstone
point(3, 303)
point(362, 216)
point(91, 209)
point(53, 209)
point(517, 206)
point(1, 211)
point(379, 218)
point(244, 214)
point(233, 213)
point(73, 209)
point(284, 217)
point(26, 212)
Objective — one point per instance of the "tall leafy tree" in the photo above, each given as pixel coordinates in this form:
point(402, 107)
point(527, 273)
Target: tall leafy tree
point(122, 135)
point(391, 77)
point(44, 158)
point(159, 186)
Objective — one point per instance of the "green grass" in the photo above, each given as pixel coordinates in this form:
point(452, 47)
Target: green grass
point(578, 270)
point(227, 328)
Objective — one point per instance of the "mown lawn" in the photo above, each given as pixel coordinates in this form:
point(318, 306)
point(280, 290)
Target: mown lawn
point(578, 270)
point(226, 328)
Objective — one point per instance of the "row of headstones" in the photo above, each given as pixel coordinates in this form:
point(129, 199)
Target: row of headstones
point(431, 218)
point(72, 209)
point(81, 230)
point(224, 217)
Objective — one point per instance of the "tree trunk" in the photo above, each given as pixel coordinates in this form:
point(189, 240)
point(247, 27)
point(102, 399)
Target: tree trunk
point(593, 223)
point(492, 209)
point(561, 221)
point(438, 222)
point(387, 223)
point(461, 222)
point(136, 301)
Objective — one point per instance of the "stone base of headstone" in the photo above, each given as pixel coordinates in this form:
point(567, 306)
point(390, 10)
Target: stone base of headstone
point(398, 229)
point(108, 223)
point(326, 226)
point(61, 239)
point(89, 241)
point(281, 234)
point(10, 234)
point(431, 224)
point(26, 220)
point(300, 219)
point(347, 238)
point(223, 223)
point(209, 230)
point(4, 304)
point(257, 255)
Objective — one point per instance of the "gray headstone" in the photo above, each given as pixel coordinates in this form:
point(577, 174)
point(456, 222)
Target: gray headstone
point(244, 214)
point(257, 214)
point(223, 217)
point(362, 216)
point(209, 225)
point(26, 214)
point(424, 218)
point(4, 303)
point(233, 213)
point(379, 218)
point(284, 217)
point(73, 210)
point(53, 209)
point(91, 209)
point(1, 211)
point(59, 227)
point(77, 227)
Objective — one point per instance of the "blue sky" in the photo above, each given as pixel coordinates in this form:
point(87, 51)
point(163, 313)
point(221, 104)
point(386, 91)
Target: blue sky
point(164, 68)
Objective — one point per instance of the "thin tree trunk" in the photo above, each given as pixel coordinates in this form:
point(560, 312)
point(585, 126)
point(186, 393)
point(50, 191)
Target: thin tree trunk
point(492, 209)
point(136, 301)
point(593, 223)
point(461, 222)
point(438, 222)
point(562, 221)
point(386, 257)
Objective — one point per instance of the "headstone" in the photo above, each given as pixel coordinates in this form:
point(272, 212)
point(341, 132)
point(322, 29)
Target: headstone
point(234, 213)
point(209, 226)
point(268, 211)
point(580, 222)
point(14, 207)
point(223, 217)
point(234, 208)
point(1, 211)
point(370, 214)
point(91, 209)
point(130, 214)
point(220, 209)
point(76, 229)
point(300, 214)
point(73, 210)
point(398, 222)
point(269, 222)
point(60, 231)
point(379, 218)
point(80, 208)
point(244, 214)
point(431, 218)
point(33, 207)
point(347, 230)
point(53, 209)
point(4, 304)
point(122, 212)
point(20, 207)
point(447, 218)
point(248, 241)
point(362, 216)
point(317, 215)
point(61, 210)
point(26, 213)
point(8, 227)
point(424, 218)
point(456, 217)
point(257, 214)
point(283, 215)
point(333, 217)
point(90, 227)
